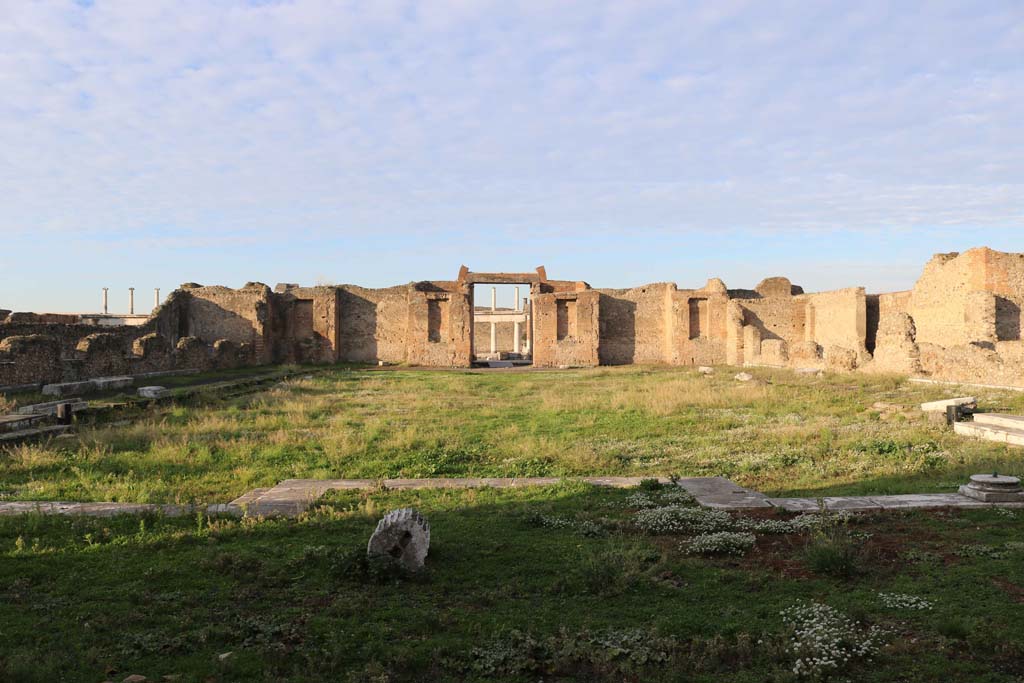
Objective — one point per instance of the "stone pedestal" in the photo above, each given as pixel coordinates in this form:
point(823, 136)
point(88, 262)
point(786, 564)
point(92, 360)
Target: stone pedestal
point(994, 488)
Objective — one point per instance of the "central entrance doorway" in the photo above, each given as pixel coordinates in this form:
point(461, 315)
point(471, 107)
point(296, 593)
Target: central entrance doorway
point(502, 325)
point(502, 329)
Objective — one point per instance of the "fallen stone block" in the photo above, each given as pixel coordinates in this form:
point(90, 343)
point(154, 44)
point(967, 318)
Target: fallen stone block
point(112, 383)
point(88, 386)
point(1007, 435)
point(152, 392)
point(966, 402)
point(403, 537)
point(51, 407)
point(743, 377)
point(68, 388)
point(705, 370)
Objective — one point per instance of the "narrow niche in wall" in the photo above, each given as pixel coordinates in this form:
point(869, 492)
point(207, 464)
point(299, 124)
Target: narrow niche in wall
point(1008, 320)
point(566, 318)
point(302, 321)
point(437, 319)
point(698, 318)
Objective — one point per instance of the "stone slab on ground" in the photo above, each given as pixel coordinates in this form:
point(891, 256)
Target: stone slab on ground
point(849, 503)
point(719, 492)
point(294, 496)
point(867, 503)
point(90, 509)
point(940, 406)
point(112, 383)
point(88, 386)
point(50, 408)
point(68, 388)
point(10, 423)
point(1008, 435)
point(166, 373)
point(999, 420)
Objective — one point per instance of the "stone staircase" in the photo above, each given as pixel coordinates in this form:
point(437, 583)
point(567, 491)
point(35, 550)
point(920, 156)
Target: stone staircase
point(1008, 429)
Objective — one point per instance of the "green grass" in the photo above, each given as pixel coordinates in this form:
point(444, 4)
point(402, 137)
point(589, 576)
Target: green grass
point(796, 435)
point(503, 599)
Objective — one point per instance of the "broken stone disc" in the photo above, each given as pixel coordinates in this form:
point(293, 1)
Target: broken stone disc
point(403, 536)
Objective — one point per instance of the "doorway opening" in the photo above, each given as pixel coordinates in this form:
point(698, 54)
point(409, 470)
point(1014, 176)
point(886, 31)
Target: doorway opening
point(502, 325)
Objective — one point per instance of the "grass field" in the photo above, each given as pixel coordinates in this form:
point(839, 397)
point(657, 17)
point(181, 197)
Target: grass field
point(553, 584)
point(557, 583)
point(794, 435)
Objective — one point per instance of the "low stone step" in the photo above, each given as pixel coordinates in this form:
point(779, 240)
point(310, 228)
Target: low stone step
point(1007, 435)
point(14, 423)
point(88, 386)
point(51, 407)
point(999, 420)
point(34, 433)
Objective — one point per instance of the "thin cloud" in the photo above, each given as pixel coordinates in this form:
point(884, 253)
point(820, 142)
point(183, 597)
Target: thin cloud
point(168, 122)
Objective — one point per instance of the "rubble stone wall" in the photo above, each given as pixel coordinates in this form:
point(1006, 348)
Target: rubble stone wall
point(962, 321)
point(634, 324)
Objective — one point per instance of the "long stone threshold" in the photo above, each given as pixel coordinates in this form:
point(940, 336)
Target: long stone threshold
point(292, 497)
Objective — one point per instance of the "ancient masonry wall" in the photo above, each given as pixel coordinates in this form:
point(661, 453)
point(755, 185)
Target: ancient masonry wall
point(962, 321)
point(634, 325)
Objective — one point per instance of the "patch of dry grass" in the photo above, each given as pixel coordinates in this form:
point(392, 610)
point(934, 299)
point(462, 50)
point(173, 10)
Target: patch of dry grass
point(786, 433)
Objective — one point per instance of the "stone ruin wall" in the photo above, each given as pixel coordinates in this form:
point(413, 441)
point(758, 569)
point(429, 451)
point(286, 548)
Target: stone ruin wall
point(962, 322)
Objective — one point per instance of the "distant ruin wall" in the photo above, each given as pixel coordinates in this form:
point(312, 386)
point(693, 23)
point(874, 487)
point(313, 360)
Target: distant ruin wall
point(238, 315)
point(837, 318)
point(962, 321)
point(372, 324)
point(633, 324)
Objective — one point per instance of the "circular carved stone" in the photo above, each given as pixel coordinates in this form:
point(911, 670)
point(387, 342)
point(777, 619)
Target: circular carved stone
point(998, 482)
point(403, 536)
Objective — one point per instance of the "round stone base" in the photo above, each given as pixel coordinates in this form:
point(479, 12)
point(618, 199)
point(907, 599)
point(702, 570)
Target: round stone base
point(994, 488)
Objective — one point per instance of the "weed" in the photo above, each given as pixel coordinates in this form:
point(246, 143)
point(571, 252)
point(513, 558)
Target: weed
point(825, 641)
point(720, 543)
point(832, 548)
point(903, 601)
point(675, 519)
point(577, 653)
point(955, 628)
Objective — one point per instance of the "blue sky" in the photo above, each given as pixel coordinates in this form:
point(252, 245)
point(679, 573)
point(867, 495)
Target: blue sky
point(152, 143)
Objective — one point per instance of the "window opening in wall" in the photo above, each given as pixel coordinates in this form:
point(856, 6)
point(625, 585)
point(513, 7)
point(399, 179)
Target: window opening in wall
point(437, 319)
point(566, 319)
point(698, 318)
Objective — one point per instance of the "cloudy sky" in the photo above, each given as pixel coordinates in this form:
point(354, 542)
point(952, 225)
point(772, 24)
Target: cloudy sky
point(152, 143)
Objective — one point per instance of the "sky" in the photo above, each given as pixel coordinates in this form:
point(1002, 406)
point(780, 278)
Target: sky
point(153, 143)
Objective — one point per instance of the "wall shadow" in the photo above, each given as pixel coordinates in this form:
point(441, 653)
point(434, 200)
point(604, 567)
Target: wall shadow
point(617, 327)
point(357, 328)
point(1007, 320)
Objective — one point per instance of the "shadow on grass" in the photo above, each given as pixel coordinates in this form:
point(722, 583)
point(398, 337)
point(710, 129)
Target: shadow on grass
point(503, 598)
